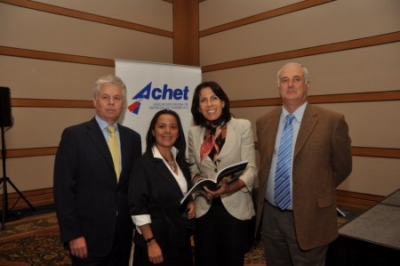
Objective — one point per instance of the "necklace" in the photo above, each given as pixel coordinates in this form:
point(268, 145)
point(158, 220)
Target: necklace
point(171, 163)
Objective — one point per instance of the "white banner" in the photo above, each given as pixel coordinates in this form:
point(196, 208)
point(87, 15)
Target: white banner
point(152, 87)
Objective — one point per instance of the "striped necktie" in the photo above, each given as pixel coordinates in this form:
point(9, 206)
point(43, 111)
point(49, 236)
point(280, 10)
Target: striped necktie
point(114, 149)
point(284, 165)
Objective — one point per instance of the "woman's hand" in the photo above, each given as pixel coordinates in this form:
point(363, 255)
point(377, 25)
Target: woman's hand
point(225, 188)
point(191, 210)
point(154, 252)
point(211, 194)
point(153, 249)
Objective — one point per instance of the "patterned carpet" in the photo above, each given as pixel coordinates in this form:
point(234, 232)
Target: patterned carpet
point(34, 241)
point(256, 255)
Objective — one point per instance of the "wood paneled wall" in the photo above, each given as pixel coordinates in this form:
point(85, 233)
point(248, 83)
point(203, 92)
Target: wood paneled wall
point(44, 196)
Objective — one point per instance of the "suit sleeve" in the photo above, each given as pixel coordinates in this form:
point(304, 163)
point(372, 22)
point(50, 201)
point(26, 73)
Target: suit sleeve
point(139, 190)
point(341, 157)
point(65, 180)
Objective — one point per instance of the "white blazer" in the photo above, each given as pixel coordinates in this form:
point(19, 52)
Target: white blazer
point(239, 145)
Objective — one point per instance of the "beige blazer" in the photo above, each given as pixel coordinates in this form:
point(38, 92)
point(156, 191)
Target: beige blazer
point(239, 145)
point(322, 160)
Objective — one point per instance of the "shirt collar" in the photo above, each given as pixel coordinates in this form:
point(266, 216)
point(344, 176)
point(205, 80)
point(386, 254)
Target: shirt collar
point(157, 154)
point(103, 124)
point(298, 114)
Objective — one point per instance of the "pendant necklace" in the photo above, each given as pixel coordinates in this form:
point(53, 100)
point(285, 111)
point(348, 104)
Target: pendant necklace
point(170, 163)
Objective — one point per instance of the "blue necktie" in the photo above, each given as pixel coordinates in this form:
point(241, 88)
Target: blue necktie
point(283, 166)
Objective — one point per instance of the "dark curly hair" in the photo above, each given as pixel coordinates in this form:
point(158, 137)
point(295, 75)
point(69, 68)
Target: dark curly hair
point(198, 117)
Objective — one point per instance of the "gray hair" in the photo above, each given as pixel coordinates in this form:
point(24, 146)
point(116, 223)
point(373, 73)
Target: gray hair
point(305, 70)
point(113, 79)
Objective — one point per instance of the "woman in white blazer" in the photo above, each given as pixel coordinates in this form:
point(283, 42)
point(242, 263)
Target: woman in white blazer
point(215, 141)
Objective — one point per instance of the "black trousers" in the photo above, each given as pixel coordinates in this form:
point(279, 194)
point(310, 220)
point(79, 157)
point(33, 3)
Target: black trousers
point(220, 238)
point(185, 258)
point(118, 255)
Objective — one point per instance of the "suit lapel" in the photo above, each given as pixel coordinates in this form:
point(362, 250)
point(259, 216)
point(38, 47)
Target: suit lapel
point(272, 130)
point(125, 145)
point(268, 132)
point(97, 137)
point(230, 141)
point(308, 123)
point(164, 172)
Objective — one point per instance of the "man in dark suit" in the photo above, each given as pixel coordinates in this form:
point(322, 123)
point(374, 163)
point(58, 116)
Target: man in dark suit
point(319, 160)
point(90, 190)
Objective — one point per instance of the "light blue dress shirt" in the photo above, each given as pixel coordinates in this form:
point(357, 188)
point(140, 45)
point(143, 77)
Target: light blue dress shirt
point(298, 114)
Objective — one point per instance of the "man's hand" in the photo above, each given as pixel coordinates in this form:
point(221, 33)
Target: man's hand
point(78, 248)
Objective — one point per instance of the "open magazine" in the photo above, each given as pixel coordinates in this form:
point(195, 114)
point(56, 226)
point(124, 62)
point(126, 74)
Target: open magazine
point(234, 171)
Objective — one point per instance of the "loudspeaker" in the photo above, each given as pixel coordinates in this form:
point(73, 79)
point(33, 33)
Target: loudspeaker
point(5, 107)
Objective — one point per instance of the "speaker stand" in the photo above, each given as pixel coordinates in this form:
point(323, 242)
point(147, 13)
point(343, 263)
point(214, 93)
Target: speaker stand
point(6, 180)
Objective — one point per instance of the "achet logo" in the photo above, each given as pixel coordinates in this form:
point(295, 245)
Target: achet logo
point(158, 94)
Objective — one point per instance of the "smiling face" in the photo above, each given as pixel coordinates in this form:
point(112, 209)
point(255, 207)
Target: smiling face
point(293, 87)
point(166, 131)
point(210, 105)
point(109, 102)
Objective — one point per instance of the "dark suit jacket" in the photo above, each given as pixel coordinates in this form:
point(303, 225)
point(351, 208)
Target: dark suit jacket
point(322, 160)
point(87, 196)
point(154, 190)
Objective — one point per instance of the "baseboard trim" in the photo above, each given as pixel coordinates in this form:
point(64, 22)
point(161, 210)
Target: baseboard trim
point(37, 198)
point(356, 201)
